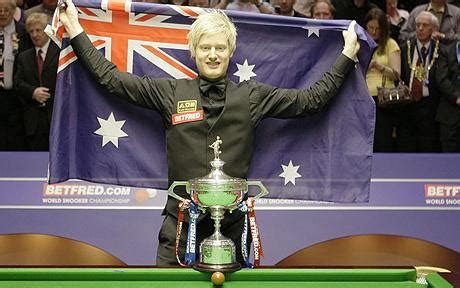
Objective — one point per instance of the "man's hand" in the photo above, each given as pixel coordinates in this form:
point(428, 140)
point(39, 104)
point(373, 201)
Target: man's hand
point(68, 14)
point(458, 101)
point(436, 35)
point(351, 46)
point(41, 94)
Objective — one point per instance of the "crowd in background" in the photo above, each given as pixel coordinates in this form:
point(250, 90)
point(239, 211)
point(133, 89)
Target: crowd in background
point(418, 43)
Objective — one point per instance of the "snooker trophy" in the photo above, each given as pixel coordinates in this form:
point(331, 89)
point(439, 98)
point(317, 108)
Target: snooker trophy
point(217, 193)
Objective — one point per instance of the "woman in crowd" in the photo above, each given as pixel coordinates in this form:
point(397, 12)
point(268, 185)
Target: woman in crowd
point(384, 69)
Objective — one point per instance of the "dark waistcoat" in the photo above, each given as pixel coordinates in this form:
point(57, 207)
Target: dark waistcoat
point(188, 143)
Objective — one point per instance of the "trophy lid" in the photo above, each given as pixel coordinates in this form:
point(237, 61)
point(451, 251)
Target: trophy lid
point(217, 187)
point(217, 175)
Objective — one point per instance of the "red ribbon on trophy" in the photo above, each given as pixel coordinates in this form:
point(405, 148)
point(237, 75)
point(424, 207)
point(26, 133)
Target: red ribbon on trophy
point(256, 241)
point(183, 205)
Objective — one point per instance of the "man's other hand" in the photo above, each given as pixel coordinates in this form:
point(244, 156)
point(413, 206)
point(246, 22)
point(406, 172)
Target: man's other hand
point(68, 15)
point(351, 46)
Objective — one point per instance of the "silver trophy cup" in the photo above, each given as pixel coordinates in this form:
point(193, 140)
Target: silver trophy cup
point(217, 193)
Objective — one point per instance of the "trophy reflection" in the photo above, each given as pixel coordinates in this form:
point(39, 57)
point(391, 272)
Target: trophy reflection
point(217, 193)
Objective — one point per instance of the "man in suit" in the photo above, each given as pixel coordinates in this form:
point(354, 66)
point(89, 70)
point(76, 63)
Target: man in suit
point(13, 40)
point(212, 41)
point(35, 81)
point(418, 129)
point(448, 17)
point(448, 80)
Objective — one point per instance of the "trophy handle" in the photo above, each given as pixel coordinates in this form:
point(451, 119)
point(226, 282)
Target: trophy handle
point(263, 191)
point(173, 185)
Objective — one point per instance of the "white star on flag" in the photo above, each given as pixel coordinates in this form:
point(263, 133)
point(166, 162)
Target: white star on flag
point(312, 31)
point(245, 71)
point(290, 173)
point(110, 130)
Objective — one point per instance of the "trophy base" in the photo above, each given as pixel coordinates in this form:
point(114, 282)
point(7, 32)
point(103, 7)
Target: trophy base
point(203, 267)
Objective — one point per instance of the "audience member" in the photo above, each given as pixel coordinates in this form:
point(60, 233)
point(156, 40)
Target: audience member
point(448, 81)
point(303, 7)
point(47, 7)
point(199, 3)
point(418, 130)
point(384, 69)
point(35, 81)
point(397, 18)
point(255, 6)
point(19, 13)
point(13, 39)
point(286, 8)
point(322, 9)
point(448, 16)
point(352, 9)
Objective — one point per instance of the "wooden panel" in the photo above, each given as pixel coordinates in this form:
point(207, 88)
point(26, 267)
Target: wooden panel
point(40, 249)
point(375, 250)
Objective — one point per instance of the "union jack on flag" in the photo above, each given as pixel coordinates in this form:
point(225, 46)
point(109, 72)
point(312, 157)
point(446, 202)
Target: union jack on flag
point(98, 137)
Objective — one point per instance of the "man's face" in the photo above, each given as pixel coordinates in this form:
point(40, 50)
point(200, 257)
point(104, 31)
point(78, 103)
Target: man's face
point(423, 28)
point(212, 56)
point(391, 5)
point(199, 3)
point(6, 13)
point(37, 34)
point(322, 11)
point(286, 5)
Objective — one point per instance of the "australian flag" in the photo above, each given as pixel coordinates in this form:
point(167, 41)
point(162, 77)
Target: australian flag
point(99, 138)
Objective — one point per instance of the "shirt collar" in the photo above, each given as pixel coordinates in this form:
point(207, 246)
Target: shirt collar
point(44, 48)
point(426, 45)
point(10, 28)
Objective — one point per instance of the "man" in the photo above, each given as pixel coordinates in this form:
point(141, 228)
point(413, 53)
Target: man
point(47, 7)
point(418, 130)
point(255, 6)
point(199, 3)
point(285, 8)
point(35, 81)
point(397, 17)
point(448, 17)
point(231, 111)
point(448, 80)
point(13, 39)
point(322, 9)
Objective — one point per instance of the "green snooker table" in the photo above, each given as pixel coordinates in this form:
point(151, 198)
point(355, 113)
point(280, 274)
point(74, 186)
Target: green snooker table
point(189, 278)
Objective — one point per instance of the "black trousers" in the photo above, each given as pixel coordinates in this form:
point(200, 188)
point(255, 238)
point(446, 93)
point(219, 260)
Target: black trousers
point(450, 137)
point(231, 226)
point(419, 131)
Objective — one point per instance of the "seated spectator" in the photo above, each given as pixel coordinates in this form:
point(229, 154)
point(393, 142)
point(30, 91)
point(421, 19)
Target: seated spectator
point(302, 7)
point(448, 16)
point(286, 8)
point(448, 80)
point(322, 9)
point(384, 68)
point(19, 15)
point(255, 6)
point(47, 7)
point(352, 9)
point(418, 130)
point(397, 18)
point(14, 40)
point(35, 81)
point(199, 3)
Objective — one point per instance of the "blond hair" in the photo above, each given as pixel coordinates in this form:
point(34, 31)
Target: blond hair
point(37, 18)
point(215, 22)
